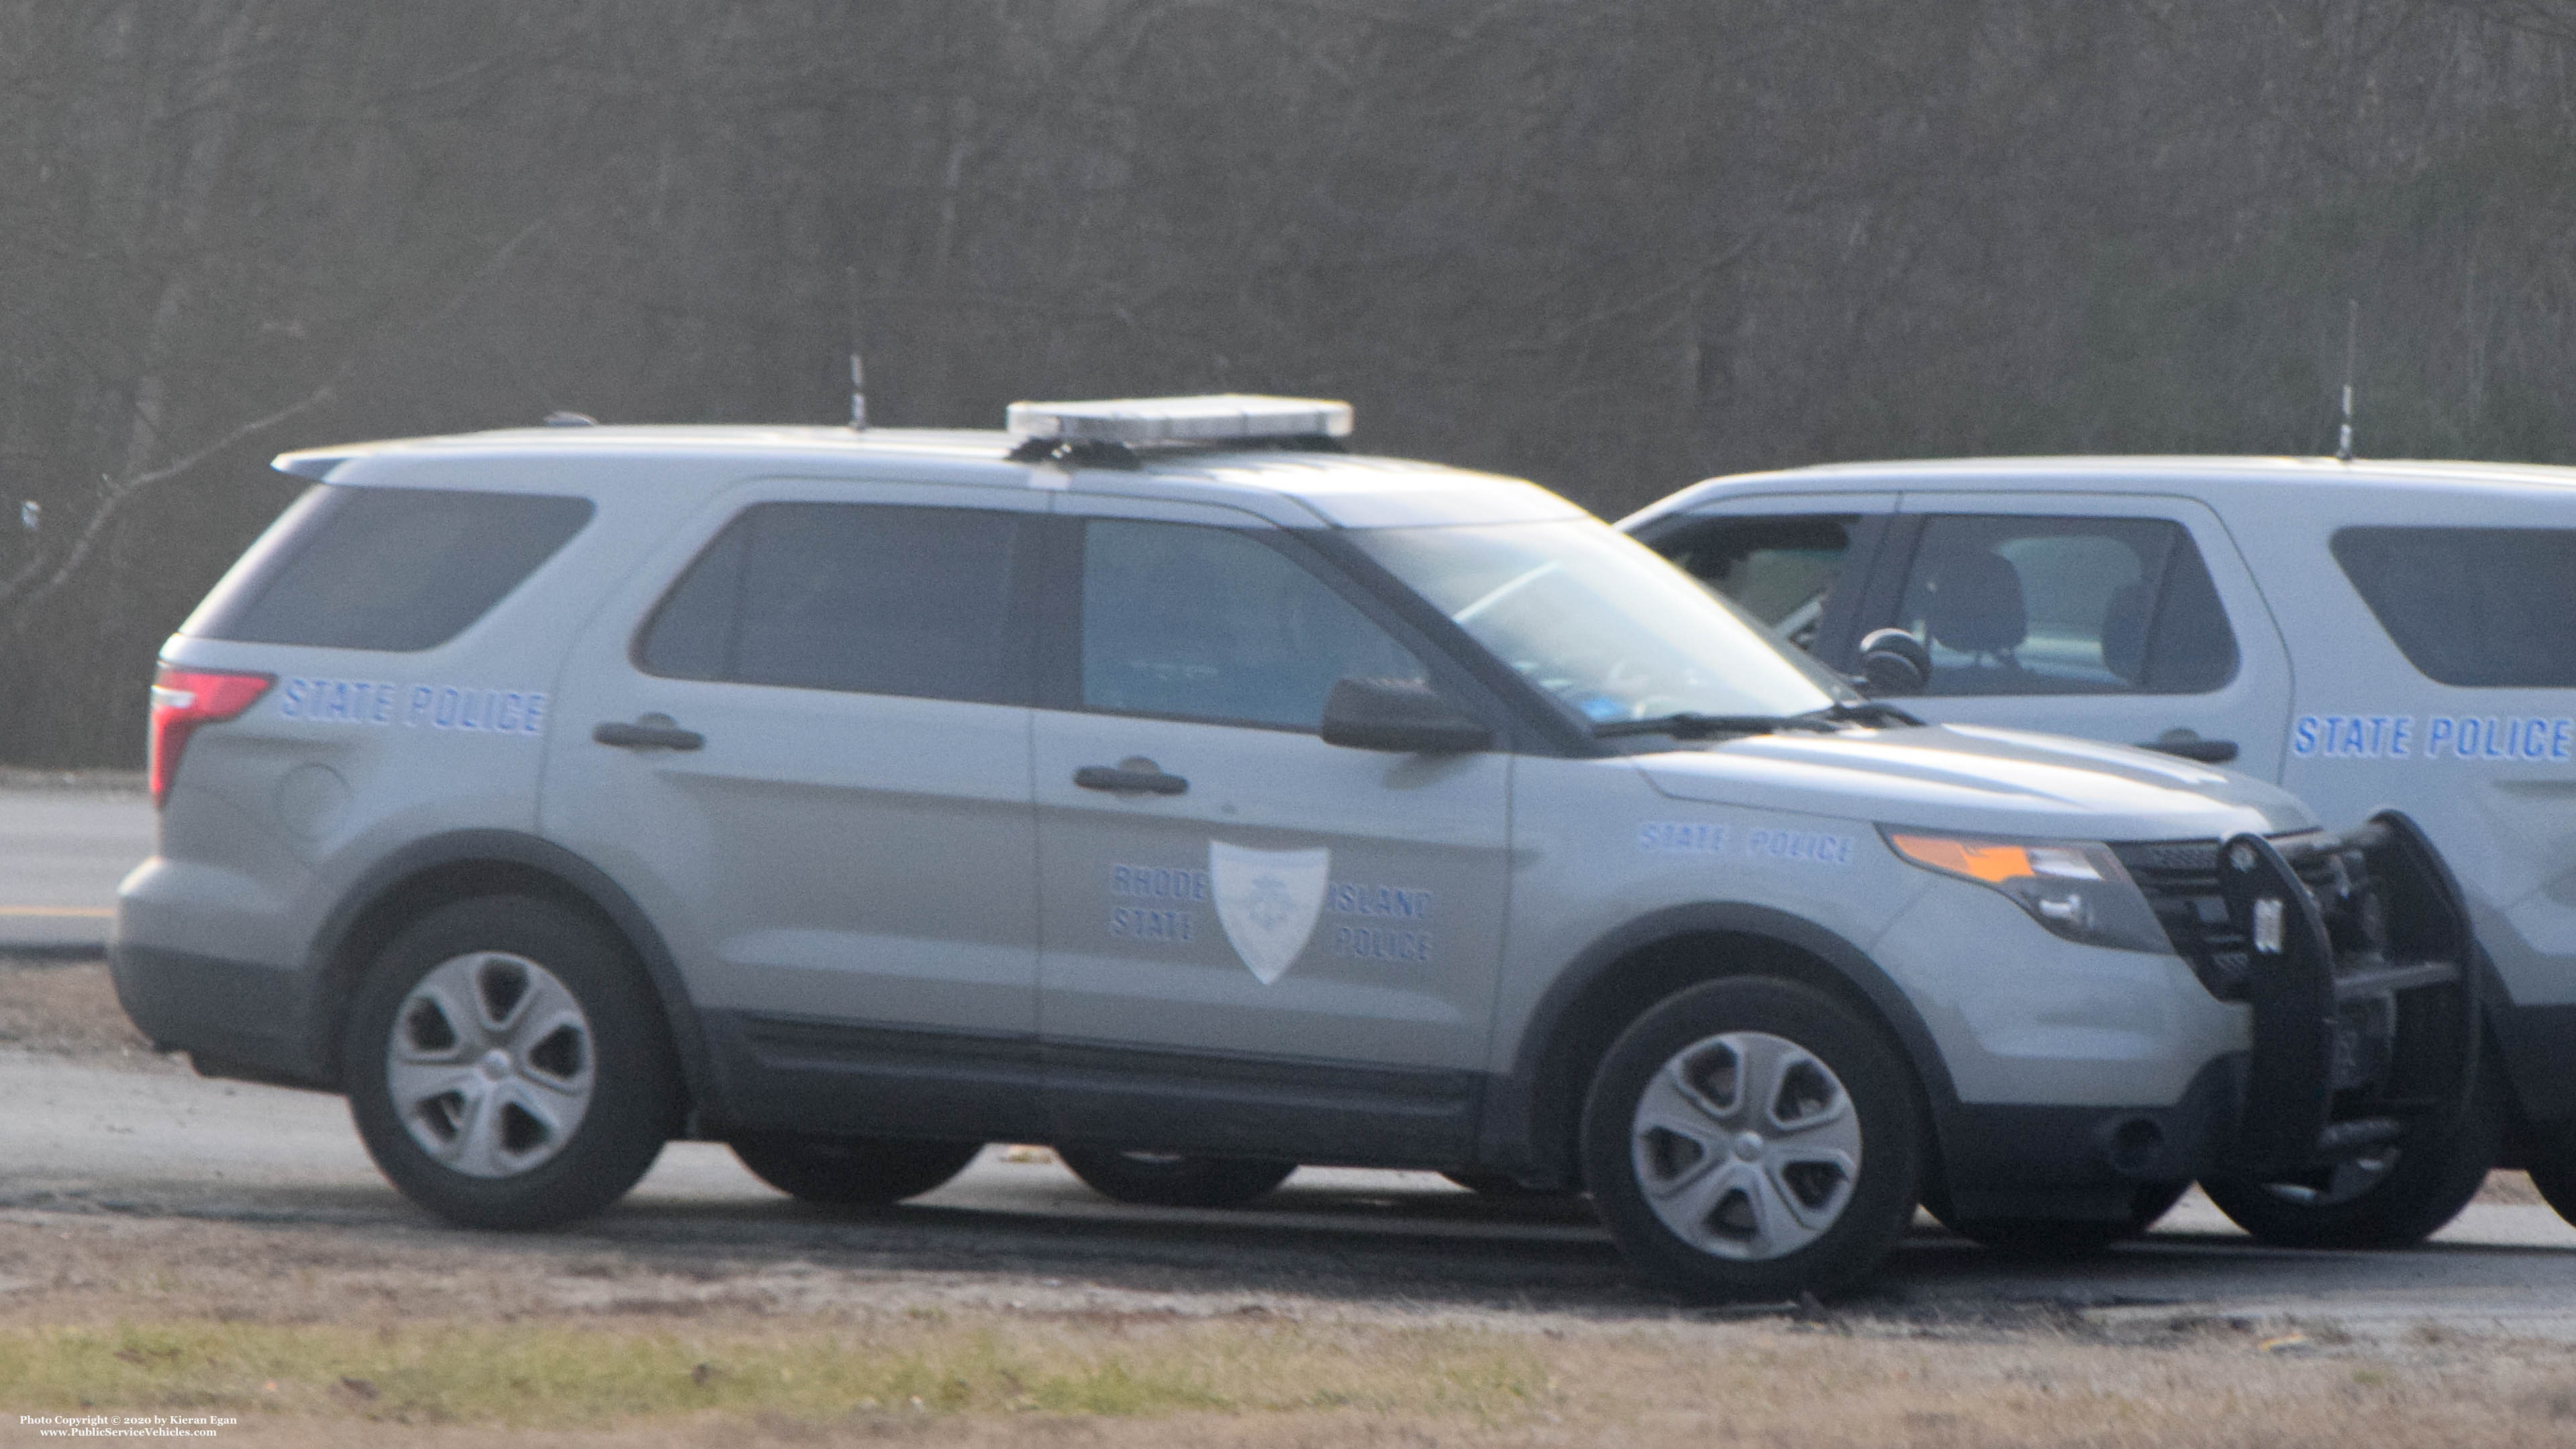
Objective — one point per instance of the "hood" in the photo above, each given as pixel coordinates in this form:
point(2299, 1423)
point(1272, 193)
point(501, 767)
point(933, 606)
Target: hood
point(1972, 778)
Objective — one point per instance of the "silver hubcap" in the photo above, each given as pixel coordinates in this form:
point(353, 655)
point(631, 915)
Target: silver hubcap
point(1746, 1145)
point(490, 1064)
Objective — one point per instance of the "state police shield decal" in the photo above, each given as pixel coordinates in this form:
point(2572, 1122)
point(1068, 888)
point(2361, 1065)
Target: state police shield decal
point(1267, 900)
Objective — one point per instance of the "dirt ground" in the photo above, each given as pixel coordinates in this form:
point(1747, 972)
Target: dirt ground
point(316, 1334)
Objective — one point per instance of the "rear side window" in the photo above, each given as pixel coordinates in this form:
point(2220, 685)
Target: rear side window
point(869, 598)
point(2481, 608)
point(391, 569)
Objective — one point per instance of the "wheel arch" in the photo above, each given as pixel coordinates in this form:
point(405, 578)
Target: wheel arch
point(430, 873)
point(1532, 1114)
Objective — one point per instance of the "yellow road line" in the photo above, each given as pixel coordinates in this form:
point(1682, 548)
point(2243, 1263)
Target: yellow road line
point(87, 913)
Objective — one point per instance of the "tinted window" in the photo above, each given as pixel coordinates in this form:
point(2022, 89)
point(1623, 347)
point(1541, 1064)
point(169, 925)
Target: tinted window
point(396, 569)
point(1781, 570)
point(2478, 607)
point(2017, 605)
point(1212, 624)
point(870, 598)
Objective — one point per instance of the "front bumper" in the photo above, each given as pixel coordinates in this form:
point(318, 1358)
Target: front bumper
point(2354, 957)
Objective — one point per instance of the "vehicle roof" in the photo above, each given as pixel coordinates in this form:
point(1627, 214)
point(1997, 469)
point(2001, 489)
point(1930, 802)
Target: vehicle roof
point(1331, 488)
point(2139, 472)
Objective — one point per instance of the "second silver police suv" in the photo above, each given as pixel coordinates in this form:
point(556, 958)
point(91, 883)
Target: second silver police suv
point(2372, 635)
point(1158, 781)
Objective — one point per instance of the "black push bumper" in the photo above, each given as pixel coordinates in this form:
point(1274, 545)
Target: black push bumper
point(2358, 964)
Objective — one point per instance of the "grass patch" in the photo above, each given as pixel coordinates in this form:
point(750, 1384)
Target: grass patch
point(555, 1375)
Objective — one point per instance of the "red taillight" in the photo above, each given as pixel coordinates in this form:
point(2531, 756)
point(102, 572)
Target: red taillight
point(183, 699)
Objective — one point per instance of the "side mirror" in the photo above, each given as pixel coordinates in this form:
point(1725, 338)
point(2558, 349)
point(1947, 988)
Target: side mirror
point(1894, 662)
point(1399, 716)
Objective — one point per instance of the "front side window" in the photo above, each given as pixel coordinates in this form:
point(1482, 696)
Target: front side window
point(2480, 608)
point(868, 598)
point(1213, 624)
point(2008, 604)
point(1600, 622)
point(1780, 570)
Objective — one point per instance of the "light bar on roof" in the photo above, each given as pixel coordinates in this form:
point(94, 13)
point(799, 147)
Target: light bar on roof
point(1144, 421)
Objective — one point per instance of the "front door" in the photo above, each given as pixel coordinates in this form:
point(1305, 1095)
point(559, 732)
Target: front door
point(2128, 619)
point(1253, 941)
point(814, 777)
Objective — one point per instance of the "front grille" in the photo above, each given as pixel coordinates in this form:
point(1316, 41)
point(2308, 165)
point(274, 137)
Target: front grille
point(2180, 879)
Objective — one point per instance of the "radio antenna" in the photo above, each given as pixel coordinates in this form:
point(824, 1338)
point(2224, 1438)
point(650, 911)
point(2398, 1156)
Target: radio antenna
point(2351, 337)
point(859, 396)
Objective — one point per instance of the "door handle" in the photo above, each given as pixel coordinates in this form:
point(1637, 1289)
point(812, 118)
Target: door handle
point(1131, 775)
point(2208, 752)
point(649, 732)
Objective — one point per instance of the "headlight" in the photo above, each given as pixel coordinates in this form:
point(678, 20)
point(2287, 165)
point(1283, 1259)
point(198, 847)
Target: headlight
point(2074, 888)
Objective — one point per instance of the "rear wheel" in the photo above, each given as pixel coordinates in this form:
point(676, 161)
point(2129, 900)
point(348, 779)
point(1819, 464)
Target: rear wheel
point(1754, 1139)
point(2393, 1197)
point(852, 1171)
point(1174, 1179)
point(2041, 1237)
point(507, 1065)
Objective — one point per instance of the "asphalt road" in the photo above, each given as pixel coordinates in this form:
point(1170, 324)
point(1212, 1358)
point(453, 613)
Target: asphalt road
point(62, 852)
point(86, 1138)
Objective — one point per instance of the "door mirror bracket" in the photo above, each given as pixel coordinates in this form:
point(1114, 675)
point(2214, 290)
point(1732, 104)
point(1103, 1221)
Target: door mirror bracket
point(1399, 716)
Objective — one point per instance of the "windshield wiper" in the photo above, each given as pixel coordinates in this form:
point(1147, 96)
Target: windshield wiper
point(1689, 725)
point(1868, 712)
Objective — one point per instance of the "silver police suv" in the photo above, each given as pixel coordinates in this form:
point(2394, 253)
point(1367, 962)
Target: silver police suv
point(1159, 781)
point(2373, 635)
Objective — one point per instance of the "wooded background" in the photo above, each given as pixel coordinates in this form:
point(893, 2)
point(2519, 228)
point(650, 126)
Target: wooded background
point(1612, 246)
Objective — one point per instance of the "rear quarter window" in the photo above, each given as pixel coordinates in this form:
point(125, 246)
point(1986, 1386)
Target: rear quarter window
point(2479, 608)
point(396, 570)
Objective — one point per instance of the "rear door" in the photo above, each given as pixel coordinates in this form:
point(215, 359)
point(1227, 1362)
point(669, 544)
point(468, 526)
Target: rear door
point(2126, 618)
point(2452, 696)
point(801, 741)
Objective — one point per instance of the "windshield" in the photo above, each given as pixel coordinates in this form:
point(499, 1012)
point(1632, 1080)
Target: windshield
point(1601, 622)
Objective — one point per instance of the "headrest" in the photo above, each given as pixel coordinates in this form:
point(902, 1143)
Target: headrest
point(1976, 605)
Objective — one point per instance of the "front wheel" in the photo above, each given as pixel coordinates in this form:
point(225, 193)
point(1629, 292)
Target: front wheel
point(852, 1172)
point(1753, 1138)
point(507, 1065)
point(1174, 1179)
point(2394, 1196)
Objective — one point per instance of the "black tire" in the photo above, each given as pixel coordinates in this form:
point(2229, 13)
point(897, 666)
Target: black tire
point(1836, 1061)
point(2553, 1172)
point(852, 1172)
point(1171, 1179)
point(2441, 1162)
point(613, 1041)
point(2064, 1237)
